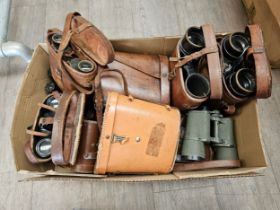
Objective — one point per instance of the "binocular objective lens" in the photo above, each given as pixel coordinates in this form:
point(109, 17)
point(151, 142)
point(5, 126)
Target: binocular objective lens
point(85, 66)
point(43, 148)
point(56, 38)
point(197, 85)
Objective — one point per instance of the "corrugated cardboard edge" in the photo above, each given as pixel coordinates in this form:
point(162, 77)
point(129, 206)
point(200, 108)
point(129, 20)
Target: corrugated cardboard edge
point(18, 97)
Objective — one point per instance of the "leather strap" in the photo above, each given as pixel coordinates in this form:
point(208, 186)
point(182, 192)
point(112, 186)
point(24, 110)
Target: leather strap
point(99, 95)
point(262, 68)
point(213, 61)
point(206, 165)
point(57, 149)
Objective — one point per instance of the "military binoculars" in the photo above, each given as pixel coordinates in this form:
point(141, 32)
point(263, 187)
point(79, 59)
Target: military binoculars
point(239, 78)
point(195, 83)
point(203, 128)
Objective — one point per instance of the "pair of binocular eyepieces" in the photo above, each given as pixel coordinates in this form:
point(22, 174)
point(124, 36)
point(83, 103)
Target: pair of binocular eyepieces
point(195, 83)
point(43, 145)
point(240, 77)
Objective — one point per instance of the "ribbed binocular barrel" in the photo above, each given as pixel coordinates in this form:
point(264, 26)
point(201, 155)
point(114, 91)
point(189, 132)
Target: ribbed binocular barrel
point(197, 131)
point(226, 150)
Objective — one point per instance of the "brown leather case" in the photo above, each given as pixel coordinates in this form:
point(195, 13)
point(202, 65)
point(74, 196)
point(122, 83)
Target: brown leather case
point(30, 145)
point(146, 77)
point(137, 137)
point(88, 148)
point(67, 126)
point(66, 77)
point(85, 41)
point(182, 98)
point(262, 68)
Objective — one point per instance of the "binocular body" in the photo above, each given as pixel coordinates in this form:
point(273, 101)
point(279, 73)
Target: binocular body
point(208, 128)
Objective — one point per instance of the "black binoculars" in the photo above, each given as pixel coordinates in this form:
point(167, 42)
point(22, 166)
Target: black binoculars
point(204, 128)
point(239, 78)
point(195, 83)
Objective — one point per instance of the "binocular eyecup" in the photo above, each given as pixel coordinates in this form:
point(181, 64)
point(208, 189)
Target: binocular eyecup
point(84, 66)
point(197, 85)
point(192, 41)
point(43, 148)
point(242, 83)
point(235, 45)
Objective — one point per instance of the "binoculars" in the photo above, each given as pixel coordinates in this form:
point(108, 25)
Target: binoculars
point(196, 84)
point(240, 80)
point(203, 128)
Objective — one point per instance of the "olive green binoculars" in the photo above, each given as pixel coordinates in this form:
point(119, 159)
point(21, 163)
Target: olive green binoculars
point(208, 127)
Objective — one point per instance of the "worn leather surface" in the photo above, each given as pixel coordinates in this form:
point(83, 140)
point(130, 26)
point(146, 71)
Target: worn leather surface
point(67, 126)
point(146, 76)
point(137, 137)
point(85, 41)
point(212, 164)
point(181, 97)
point(261, 65)
point(88, 148)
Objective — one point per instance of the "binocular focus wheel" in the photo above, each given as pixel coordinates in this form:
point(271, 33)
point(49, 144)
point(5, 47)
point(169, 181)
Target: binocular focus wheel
point(43, 148)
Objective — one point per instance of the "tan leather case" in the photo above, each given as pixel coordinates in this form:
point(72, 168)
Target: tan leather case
point(137, 137)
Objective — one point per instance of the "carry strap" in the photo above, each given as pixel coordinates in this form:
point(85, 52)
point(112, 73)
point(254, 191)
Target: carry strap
point(99, 95)
point(262, 68)
point(57, 149)
point(206, 165)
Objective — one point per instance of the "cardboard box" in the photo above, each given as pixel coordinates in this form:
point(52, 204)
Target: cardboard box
point(247, 130)
point(266, 14)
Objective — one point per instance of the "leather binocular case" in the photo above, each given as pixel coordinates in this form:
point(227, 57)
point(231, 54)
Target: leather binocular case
point(67, 126)
point(136, 138)
point(75, 53)
point(87, 151)
point(246, 68)
point(146, 77)
point(38, 148)
point(189, 86)
point(208, 138)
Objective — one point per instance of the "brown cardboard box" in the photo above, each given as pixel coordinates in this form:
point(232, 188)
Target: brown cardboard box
point(266, 14)
point(247, 130)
